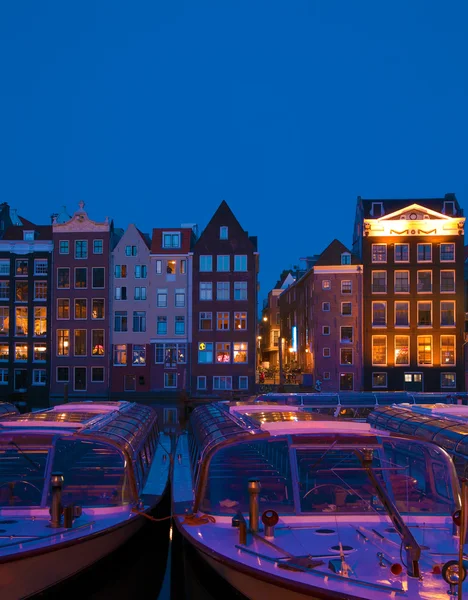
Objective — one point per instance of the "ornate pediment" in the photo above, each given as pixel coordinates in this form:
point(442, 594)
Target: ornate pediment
point(80, 223)
point(414, 220)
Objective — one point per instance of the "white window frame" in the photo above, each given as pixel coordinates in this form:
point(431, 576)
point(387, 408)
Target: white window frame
point(451, 260)
point(448, 387)
point(374, 364)
point(201, 382)
point(240, 263)
point(217, 379)
point(417, 253)
point(398, 261)
point(325, 329)
point(325, 309)
point(453, 291)
point(384, 326)
point(406, 364)
point(373, 272)
point(98, 380)
point(326, 352)
point(208, 258)
point(243, 378)
point(379, 262)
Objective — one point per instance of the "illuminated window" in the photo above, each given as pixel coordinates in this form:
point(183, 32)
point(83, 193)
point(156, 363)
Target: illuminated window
point(346, 287)
point(223, 352)
point(81, 308)
point(326, 284)
point(425, 350)
point(424, 314)
point(4, 352)
point(447, 313)
point(240, 352)
point(424, 252)
point(379, 349)
point(447, 282)
point(40, 290)
point(21, 267)
point(171, 267)
point(4, 320)
point(206, 321)
point(447, 350)
point(120, 271)
point(402, 282)
point(21, 320)
point(39, 352)
point(97, 337)
point(222, 321)
point(21, 291)
point(80, 342)
point(447, 253)
point(98, 308)
point(120, 354)
point(206, 290)
point(402, 314)
point(205, 352)
point(379, 253)
point(379, 314)
point(379, 380)
point(222, 383)
point(81, 277)
point(402, 350)
point(448, 380)
point(346, 356)
point(379, 282)
point(21, 352)
point(401, 253)
point(139, 355)
point(40, 321)
point(63, 342)
point(424, 284)
point(240, 320)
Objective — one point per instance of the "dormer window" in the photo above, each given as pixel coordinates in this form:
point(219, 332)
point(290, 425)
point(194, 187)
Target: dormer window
point(223, 233)
point(28, 236)
point(377, 209)
point(449, 208)
point(345, 258)
point(171, 240)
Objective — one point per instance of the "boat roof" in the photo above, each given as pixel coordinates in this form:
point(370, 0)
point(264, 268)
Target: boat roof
point(125, 424)
point(8, 409)
point(435, 424)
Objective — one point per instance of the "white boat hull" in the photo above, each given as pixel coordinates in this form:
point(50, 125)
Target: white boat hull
point(29, 575)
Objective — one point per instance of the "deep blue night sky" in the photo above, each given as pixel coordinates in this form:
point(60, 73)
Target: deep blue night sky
point(153, 112)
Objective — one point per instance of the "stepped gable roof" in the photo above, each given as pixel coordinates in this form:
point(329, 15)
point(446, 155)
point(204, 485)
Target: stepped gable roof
point(331, 256)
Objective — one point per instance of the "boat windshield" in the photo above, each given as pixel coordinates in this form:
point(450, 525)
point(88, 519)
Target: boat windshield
point(94, 473)
point(232, 467)
point(418, 478)
point(22, 471)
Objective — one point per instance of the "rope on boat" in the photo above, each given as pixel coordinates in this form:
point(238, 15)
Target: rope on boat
point(193, 520)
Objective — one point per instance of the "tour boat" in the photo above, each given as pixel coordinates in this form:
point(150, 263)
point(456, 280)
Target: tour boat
point(75, 483)
point(444, 424)
point(284, 503)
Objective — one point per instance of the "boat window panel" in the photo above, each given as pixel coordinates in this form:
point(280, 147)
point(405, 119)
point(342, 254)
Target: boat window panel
point(230, 471)
point(22, 471)
point(335, 482)
point(94, 473)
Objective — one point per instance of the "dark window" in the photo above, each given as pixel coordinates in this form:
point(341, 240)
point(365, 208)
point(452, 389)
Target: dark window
point(81, 277)
point(98, 277)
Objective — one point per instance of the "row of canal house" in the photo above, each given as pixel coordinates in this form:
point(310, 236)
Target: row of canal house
point(390, 314)
point(90, 310)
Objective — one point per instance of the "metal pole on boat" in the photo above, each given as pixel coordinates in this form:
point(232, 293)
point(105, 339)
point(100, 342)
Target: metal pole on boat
point(56, 480)
point(254, 491)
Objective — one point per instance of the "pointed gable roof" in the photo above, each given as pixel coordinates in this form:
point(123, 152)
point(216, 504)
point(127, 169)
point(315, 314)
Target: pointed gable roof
point(332, 255)
point(224, 216)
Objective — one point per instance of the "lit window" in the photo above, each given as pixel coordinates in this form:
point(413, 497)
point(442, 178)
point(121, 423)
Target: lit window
point(171, 267)
point(346, 334)
point(447, 350)
point(81, 308)
point(120, 271)
point(40, 290)
point(139, 355)
point(81, 277)
point(40, 321)
point(97, 308)
point(223, 352)
point(63, 342)
point(222, 321)
point(379, 380)
point(240, 320)
point(448, 380)
point(98, 342)
point(240, 352)
point(379, 349)
point(205, 352)
point(346, 356)
point(402, 355)
point(21, 352)
point(4, 352)
point(120, 354)
point(326, 284)
point(326, 375)
point(21, 267)
point(206, 319)
point(21, 288)
point(425, 350)
point(379, 253)
point(21, 320)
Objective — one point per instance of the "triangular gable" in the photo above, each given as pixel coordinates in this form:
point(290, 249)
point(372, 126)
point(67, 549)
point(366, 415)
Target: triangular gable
point(421, 212)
